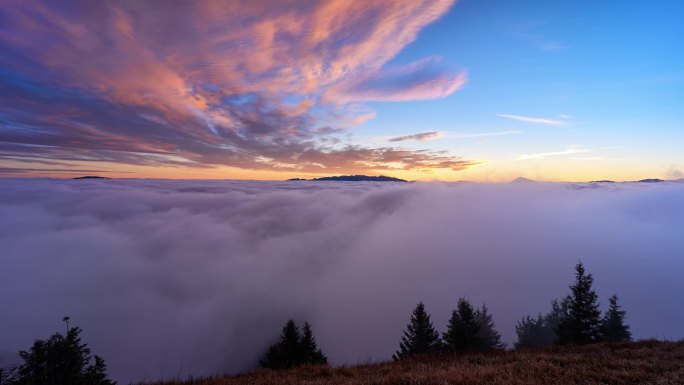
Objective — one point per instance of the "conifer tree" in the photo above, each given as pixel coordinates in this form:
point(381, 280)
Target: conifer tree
point(541, 331)
point(8, 375)
point(558, 313)
point(613, 327)
point(61, 359)
point(581, 323)
point(530, 332)
point(287, 352)
point(490, 338)
point(294, 348)
point(420, 336)
point(463, 329)
point(312, 354)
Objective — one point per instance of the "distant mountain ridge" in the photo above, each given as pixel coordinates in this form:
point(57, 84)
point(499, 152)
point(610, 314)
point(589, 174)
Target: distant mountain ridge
point(355, 178)
point(90, 177)
point(523, 180)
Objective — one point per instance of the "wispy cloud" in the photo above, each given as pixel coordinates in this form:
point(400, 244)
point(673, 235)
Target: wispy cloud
point(423, 136)
point(568, 151)
point(421, 80)
point(253, 85)
point(528, 119)
point(420, 137)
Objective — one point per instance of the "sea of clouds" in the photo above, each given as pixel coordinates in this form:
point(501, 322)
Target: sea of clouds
point(177, 278)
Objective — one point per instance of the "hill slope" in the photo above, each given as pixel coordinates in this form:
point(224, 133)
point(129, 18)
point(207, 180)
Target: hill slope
point(652, 362)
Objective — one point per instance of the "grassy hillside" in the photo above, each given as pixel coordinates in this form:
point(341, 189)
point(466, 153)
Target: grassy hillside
point(645, 362)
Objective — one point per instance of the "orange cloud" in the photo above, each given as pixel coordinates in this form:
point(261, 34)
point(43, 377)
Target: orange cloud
point(197, 84)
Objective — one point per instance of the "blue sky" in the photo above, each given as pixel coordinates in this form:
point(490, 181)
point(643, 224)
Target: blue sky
point(614, 69)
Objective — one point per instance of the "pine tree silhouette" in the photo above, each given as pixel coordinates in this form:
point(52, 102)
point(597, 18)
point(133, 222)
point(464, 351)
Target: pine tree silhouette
point(558, 313)
point(420, 337)
point(489, 337)
point(463, 329)
point(581, 323)
point(286, 352)
point(541, 331)
point(530, 332)
point(312, 354)
point(61, 359)
point(294, 349)
point(8, 375)
point(613, 327)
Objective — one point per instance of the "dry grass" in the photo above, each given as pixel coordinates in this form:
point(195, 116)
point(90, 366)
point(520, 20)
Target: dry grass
point(644, 362)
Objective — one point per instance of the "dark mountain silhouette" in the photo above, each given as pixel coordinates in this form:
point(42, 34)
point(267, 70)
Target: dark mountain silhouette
point(522, 180)
point(602, 181)
point(90, 177)
point(651, 180)
point(355, 178)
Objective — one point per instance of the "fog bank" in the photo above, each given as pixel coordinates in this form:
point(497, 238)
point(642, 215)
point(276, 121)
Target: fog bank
point(172, 278)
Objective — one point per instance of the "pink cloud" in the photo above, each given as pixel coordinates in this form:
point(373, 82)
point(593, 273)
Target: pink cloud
point(211, 82)
point(421, 80)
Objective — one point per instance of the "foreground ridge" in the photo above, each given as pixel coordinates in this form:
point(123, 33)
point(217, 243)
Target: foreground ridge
point(653, 362)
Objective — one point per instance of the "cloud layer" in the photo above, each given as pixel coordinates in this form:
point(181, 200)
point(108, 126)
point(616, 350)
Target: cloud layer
point(248, 84)
point(171, 278)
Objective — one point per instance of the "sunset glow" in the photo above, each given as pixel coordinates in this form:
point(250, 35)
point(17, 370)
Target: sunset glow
point(425, 90)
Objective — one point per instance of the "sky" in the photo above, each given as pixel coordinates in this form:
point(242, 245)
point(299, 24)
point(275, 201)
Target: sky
point(422, 89)
point(178, 278)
